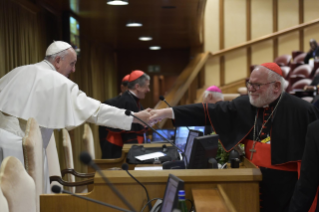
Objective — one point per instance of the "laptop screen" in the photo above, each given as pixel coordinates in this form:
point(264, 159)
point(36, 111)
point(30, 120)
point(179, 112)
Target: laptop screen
point(182, 134)
point(167, 133)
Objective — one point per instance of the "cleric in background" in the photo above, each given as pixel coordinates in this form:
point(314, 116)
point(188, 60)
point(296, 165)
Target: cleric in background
point(212, 95)
point(42, 91)
point(124, 84)
point(271, 123)
point(112, 140)
point(313, 52)
point(112, 102)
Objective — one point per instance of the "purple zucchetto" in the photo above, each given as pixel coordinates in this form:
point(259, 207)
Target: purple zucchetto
point(214, 89)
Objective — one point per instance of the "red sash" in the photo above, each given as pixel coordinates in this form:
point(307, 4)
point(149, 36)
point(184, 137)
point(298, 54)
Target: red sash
point(262, 156)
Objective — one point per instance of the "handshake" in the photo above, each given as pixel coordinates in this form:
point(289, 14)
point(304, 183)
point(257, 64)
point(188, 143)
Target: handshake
point(151, 116)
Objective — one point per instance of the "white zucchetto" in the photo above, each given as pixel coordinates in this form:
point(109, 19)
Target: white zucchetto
point(57, 47)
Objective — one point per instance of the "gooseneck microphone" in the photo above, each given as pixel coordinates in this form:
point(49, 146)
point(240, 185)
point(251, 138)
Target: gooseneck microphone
point(129, 113)
point(163, 99)
point(125, 167)
point(86, 159)
point(57, 189)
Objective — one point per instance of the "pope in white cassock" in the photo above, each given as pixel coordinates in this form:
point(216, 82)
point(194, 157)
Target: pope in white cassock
point(43, 91)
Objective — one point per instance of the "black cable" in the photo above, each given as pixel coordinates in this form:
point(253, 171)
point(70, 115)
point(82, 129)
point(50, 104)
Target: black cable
point(157, 206)
point(192, 205)
point(149, 203)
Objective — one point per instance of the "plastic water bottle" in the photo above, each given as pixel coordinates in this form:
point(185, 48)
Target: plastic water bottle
point(181, 201)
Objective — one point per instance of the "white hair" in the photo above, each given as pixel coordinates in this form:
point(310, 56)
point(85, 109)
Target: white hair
point(273, 76)
point(51, 58)
point(216, 95)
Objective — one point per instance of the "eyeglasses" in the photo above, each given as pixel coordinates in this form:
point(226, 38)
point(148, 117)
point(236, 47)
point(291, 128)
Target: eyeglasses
point(256, 86)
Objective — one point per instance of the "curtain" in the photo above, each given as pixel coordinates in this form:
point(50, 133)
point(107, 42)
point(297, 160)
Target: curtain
point(26, 31)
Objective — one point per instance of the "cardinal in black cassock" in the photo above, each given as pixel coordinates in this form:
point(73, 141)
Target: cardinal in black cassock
point(112, 140)
point(271, 123)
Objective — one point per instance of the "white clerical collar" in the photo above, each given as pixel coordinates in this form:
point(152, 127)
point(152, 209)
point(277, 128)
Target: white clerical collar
point(50, 65)
point(132, 92)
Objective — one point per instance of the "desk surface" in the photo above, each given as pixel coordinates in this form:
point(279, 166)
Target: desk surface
point(241, 186)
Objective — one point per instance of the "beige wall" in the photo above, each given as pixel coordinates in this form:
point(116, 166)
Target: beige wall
point(261, 25)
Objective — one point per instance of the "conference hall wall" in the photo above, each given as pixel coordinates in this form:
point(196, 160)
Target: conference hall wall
point(232, 22)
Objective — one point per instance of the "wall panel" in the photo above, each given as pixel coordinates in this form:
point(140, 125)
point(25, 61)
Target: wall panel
point(235, 22)
point(212, 72)
point(261, 18)
point(262, 53)
point(288, 43)
point(235, 66)
point(211, 30)
point(288, 13)
point(311, 10)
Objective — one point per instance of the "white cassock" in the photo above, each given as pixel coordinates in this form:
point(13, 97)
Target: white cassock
point(38, 91)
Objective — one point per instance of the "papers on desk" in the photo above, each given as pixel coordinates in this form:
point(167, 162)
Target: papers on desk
point(150, 156)
point(146, 168)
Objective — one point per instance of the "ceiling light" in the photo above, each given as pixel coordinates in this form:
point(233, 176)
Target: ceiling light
point(117, 2)
point(145, 38)
point(155, 47)
point(134, 24)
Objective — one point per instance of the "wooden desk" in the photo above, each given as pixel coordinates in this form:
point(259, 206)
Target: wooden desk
point(117, 162)
point(207, 200)
point(241, 186)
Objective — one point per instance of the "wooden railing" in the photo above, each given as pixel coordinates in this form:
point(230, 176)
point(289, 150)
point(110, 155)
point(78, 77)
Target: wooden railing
point(181, 93)
point(264, 38)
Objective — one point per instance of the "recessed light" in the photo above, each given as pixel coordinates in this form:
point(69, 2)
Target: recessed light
point(155, 47)
point(134, 24)
point(145, 38)
point(117, 2)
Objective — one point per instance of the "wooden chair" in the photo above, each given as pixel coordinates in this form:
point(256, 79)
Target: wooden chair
point(3, 202)
point(33, 157)
point(75, 187)
point(301, 84)
point(88, 141)
point(17, 186)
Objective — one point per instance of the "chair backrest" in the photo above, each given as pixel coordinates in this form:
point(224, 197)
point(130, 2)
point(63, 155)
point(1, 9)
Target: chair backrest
point(68, 155)
point(283, 60)
point(295, 54)
point(301, 84)
point(302, 70)
point(33, 156)
point(17, 186)
point(285, 71)
point(300, 58)
point(3, 202)
point(88, 140)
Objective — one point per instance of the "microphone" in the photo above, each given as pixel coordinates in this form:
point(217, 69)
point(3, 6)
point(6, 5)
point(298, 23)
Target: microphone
point(57, 189)
point(86, 159)
point(125, 167)
point(163, 99)
point(129, 113)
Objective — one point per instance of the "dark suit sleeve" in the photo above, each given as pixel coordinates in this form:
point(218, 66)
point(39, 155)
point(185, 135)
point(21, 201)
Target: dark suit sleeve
point(307, 58)
point(307, 184)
